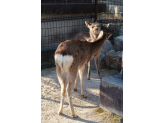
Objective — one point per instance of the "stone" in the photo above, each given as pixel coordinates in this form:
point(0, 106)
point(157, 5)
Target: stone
point(107, 47)
point(118, 43)
point(121, 31)
point(119, 76)
point(113, 59)
point(113, 72)
point(102, 64)
point(111, 95)
point(121, 72)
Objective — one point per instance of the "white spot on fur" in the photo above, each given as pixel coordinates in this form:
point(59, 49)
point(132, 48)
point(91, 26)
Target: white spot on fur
point(64, 62)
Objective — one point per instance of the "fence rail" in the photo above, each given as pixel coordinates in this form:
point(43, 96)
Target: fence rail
point(67, 18)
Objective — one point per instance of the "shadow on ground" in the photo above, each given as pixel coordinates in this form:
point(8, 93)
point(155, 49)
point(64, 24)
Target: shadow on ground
point(65, 103)
point(52, 81)
point(78, 119)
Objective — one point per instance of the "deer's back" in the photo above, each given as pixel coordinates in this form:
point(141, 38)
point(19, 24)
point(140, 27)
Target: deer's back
point(78, 48)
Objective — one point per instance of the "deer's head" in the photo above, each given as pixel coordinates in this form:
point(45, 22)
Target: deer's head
point(93, 27)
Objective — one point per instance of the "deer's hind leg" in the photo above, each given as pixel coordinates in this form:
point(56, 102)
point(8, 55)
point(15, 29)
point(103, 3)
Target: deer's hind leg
point(76, 80)
point(69, 93)
point(63, 90)
point(62, 81)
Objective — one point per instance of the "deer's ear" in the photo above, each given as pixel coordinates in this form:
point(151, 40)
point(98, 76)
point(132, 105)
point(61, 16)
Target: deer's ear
point(97, 21)
point(88, 24)
point(109, 35)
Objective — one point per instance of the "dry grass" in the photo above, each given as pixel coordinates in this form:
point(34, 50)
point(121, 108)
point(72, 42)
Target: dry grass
point(109, 117)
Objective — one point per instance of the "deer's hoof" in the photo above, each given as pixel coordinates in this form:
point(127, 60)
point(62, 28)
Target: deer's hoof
point(84, 96)
point(88, 77)
point(74, 116)
point(60, 112)
point(75, 89)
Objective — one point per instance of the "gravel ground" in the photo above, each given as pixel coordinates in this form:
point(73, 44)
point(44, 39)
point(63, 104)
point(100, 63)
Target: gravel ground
point(85, 108)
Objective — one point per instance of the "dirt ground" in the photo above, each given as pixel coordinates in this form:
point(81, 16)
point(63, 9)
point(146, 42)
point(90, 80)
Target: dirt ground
point(87, 109)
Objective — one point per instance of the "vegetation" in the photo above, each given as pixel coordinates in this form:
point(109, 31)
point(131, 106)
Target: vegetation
point(109, 117)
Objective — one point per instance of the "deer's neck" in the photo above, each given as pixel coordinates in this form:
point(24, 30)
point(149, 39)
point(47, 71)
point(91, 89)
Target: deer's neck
point(93, 36)
point(96, 46)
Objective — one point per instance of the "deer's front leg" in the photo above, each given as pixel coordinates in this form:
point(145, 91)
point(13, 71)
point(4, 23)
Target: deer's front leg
point(89, 69)
point(96, 58)
point(81, 74)
point(76, 80)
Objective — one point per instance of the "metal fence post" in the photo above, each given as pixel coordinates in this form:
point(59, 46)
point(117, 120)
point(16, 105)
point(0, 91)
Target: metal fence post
point(96, 9)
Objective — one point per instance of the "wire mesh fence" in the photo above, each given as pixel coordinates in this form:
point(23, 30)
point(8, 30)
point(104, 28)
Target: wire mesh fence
point(62, 19)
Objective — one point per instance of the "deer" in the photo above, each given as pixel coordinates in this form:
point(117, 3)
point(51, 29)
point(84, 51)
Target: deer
point(94, 33)
point(71, 58)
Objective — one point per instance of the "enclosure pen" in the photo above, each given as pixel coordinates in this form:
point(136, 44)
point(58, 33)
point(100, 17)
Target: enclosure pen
point(63, 19)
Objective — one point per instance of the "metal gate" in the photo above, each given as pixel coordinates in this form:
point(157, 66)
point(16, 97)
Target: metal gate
point(62, 19)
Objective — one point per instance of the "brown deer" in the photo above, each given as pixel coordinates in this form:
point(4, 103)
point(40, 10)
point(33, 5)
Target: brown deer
point(71, 57)
point(94, 33)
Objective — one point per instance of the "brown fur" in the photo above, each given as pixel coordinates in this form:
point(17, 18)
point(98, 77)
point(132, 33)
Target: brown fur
point(81, 51)
point(70, 46)
point(91, 37)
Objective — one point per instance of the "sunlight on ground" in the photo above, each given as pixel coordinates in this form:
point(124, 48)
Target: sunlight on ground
point(84, 107)
point(93, 91)
point(97, 80)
